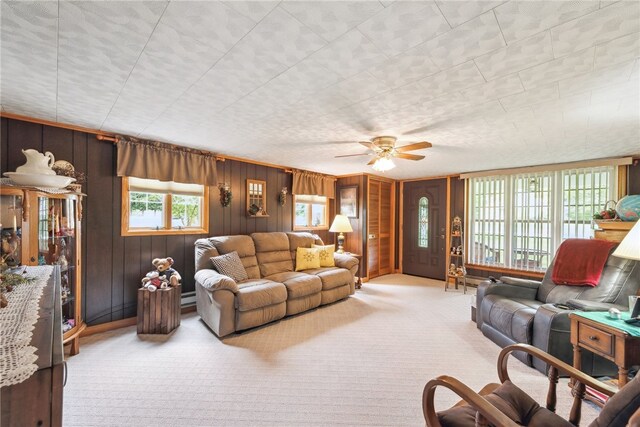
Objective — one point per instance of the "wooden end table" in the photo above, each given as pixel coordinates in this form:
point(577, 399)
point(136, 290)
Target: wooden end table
point(159, 311)
point(359, 277)
point(606, 341)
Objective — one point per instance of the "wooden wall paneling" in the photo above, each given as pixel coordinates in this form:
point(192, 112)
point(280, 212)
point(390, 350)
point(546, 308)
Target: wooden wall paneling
point(385, 228)
point(134, 271)
point(175, 249)
point(99, 231)
point(400, 223)
point(364, 218)
point(226, 213)
point(373, 228)
point(117, 260)
point(23, 136)
point(273, 190)
point(4, 145)
point(633, 176)
point(187, 270)
point(80, 141)
point(59, 141)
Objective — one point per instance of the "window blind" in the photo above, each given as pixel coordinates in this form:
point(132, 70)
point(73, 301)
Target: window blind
point(154, 186)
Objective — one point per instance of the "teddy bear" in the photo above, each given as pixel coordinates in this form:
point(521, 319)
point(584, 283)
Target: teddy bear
point(153, 281)
point(163, 265)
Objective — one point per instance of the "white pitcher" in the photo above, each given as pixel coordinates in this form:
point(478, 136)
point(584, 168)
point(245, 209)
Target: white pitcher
point(37, 163)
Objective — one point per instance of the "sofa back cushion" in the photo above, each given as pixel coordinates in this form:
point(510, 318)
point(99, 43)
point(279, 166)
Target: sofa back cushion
point(620, 278)
point(301, 239)
point(204, 251)
point(272, 251)
point(243, 245)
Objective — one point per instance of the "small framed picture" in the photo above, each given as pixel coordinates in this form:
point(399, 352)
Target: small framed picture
point(348, 201)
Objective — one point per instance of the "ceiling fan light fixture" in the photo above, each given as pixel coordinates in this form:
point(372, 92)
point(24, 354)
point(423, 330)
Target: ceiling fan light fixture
point(383, 164)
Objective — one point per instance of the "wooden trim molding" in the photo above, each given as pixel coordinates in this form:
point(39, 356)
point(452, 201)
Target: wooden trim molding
point(527, 273)
point(52, 123)
point(623, 181)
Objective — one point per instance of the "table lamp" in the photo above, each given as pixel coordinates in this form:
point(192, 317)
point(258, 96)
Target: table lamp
point(630, 246)
point(341, 224)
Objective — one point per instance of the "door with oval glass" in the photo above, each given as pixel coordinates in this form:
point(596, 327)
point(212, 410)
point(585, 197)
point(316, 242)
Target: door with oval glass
point(424, 228)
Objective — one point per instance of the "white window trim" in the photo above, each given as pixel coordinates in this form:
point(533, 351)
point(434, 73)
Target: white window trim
point(304, 228)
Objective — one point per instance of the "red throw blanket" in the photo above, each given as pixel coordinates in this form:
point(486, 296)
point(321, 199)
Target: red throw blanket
point(580, 261)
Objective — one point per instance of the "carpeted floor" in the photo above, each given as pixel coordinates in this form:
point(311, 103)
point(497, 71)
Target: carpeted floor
point(362, 361)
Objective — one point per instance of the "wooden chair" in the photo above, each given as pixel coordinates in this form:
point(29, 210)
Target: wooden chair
point(506, 405)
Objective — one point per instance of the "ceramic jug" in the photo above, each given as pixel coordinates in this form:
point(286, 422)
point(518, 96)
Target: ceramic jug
point(37, 163)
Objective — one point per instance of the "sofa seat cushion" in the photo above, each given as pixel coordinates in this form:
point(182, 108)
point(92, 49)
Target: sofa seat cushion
point(258, 293)
point(298, 284)
point(512, 317)
point(512, 402)
point(332, 277)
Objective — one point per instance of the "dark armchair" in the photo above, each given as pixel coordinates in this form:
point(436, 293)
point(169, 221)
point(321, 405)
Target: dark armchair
point(506, 405)
point(511, 311)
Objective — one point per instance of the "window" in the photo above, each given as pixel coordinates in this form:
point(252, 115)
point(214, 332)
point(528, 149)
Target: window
point(156, 207)
point(423, 222)
point(519, 220)
point(310, 212)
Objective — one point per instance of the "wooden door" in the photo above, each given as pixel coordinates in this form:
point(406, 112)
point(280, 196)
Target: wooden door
point(380, 228)
point(424, 228)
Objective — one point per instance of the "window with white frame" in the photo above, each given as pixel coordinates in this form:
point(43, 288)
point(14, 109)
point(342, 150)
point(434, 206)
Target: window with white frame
point(158, 207)
point(310, 212)
point(519, 220)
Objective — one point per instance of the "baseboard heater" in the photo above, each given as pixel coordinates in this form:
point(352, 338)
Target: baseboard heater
point(188, 298)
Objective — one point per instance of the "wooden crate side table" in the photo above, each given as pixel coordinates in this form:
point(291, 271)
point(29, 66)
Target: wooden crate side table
point(606, 341)
point(159, 311)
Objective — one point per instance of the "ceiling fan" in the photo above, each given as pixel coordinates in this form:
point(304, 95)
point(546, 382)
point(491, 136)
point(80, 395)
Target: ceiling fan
point(384, 149)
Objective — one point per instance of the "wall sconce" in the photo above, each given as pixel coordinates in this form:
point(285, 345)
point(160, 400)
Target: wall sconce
point(283, 196)
point(225, 194)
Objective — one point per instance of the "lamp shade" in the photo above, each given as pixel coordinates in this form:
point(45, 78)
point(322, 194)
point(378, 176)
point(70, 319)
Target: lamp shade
point(341, 224)
point(630, 246)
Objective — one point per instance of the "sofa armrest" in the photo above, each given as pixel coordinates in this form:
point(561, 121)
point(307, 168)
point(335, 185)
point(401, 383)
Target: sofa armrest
point(346, 261)
point(525, 283)
point(211, 280)
point(584, 305)
point(509, 287)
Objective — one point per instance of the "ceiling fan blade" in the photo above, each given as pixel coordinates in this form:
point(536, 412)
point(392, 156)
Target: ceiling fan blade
point(409, 156)
point(372, 161)
point(416, 146)
point(353, 155)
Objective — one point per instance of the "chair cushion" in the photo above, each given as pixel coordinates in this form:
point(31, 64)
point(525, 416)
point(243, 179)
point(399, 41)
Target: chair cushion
point(512, 317)
point(258, 293)
point(298, 284)
point(332, 277)
point(512, 402)
point(245, 248)
point(620, 406)
point(326, 255)
point(307, 258)
point(230, 265)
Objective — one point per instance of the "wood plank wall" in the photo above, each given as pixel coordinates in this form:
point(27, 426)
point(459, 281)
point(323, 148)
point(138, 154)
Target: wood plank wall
point(114, 265)
point(356, 242)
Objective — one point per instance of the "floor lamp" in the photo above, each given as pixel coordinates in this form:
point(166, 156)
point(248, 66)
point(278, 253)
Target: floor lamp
point(341, 224)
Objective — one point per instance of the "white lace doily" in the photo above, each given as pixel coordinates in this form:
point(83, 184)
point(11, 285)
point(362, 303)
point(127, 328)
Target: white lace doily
point(17, 321)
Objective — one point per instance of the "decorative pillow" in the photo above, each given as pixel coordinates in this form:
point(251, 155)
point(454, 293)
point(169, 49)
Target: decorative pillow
point(230, 265)
point(307, 258)
point(326, 255)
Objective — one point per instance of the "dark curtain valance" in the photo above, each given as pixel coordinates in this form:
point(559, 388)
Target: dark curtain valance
point(313, 184)
point(165, 162)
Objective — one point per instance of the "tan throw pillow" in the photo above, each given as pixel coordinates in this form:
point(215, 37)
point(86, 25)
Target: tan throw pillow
point(326, 255)
point(307, 258)
point(230, 265)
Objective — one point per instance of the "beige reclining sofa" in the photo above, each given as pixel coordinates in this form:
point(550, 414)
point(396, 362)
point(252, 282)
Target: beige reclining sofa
point(273, 289)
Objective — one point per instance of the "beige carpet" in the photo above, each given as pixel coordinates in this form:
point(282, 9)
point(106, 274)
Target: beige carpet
point(362, 361)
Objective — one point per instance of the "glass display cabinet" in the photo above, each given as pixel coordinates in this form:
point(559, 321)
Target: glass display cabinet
point(44, 229)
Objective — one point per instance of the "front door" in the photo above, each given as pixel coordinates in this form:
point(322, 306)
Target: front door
point(424, 228)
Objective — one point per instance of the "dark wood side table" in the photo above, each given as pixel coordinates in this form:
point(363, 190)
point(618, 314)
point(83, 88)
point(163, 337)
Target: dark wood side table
point(359, 277)
point(606, 341)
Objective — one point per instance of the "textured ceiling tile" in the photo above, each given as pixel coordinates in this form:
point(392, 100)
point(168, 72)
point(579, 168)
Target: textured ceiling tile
point(348, 55)
point(599, 78)
point(29, 58)
point(458, 12)
point(280, 37)
point(616, 91)
point(520, 19)
point(530, 97)
point(469, 40)
point(255, 10)
point(494, 89)
point(457, 78)
point(332, 19)
point(403, 25)
point(562, 68)
point(603, 25)
point(360, 87)
point(516, 56)
point(99, 44)
point(406, 68)
point(617, 51)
